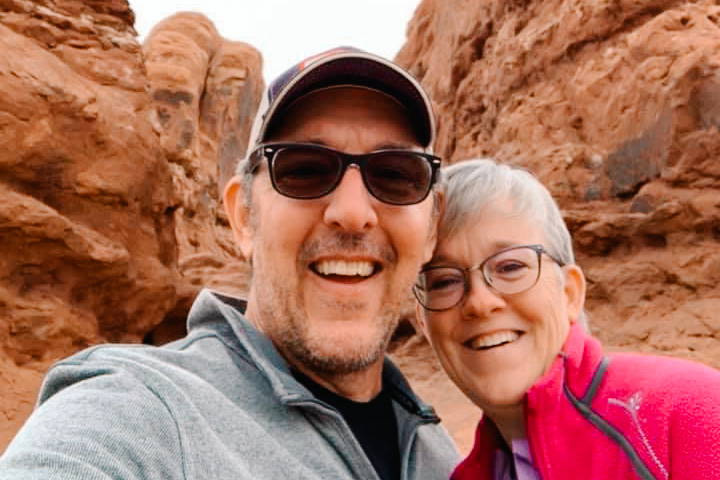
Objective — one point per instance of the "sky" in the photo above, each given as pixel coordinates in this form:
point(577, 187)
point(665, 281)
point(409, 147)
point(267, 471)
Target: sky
point(287, 31)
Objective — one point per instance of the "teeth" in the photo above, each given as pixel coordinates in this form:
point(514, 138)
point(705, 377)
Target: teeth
point(494, 339)
point(341, 267)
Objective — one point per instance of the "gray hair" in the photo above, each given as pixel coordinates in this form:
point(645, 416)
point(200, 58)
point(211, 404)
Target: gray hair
point(243, 171)
point(472, 185)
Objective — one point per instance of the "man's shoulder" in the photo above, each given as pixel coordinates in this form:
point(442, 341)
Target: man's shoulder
point(203, 358)
point(200, 344)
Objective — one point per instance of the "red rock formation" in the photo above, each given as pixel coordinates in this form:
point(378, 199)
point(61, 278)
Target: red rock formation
point(109, 218)
point(206, 90)
point(88, 251)
point(615, 106)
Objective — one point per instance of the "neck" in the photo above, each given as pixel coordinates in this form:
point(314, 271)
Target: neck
point(360, 386)
point(510, 421)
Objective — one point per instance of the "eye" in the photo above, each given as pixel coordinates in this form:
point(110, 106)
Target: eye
point(438, 281)
point(301, 169)
point(509, 268)
point(444, 283)
point(392, 174)
point(398, 166)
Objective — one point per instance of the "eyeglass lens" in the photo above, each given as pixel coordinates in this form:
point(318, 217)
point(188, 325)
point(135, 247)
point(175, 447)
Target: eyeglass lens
point(400, 178)
point(507, 272)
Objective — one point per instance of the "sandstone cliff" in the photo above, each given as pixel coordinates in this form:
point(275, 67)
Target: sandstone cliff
point(109, 154)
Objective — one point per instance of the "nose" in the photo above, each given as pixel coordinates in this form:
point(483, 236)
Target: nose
point(481, 301)
point(350, 205)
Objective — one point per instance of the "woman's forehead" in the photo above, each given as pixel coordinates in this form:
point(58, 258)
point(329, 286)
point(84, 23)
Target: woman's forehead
point(487, 232)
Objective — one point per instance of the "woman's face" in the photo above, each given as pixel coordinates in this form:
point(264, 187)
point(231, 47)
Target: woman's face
point(495, 346)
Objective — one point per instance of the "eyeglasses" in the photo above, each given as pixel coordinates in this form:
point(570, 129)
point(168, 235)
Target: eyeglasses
point(509, 271)
point(307, 171)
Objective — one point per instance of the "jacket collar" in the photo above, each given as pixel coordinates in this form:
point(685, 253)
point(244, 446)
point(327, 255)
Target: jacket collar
point(224, 315)
point(575, 365)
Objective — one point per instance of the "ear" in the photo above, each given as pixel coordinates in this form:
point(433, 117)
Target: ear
point(239, 215)
point(574, 289)
point(438, 206)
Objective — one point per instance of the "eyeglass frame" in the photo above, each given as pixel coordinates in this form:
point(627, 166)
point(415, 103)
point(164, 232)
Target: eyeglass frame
point(467, 279)
point(269, 152)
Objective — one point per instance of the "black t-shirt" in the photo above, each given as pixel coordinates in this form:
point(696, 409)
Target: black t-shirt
point(373, 423)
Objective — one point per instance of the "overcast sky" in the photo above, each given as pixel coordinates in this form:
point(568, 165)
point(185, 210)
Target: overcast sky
point(286, 31)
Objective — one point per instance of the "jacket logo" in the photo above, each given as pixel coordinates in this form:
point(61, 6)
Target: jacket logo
point(632, 407)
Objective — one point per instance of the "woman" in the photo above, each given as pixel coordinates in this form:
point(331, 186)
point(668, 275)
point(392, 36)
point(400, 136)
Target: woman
point(502, 305)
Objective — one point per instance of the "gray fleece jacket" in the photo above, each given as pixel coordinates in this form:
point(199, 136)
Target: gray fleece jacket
point(219, 404)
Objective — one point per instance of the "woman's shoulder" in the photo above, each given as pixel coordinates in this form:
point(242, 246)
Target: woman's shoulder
point(671, 379)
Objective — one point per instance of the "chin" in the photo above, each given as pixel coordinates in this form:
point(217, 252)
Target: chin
point(342, 351)
point(497, 398)
point(342, 359)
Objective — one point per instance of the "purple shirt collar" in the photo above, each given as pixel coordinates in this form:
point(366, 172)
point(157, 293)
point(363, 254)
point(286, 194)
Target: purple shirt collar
point(517, 464)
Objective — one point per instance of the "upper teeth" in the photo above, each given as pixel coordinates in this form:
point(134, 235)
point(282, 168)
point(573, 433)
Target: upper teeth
point(494, 339)
point(341, 267)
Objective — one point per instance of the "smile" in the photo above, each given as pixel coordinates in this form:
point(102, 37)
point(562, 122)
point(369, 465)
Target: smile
point(492, 340)
point(345, 270)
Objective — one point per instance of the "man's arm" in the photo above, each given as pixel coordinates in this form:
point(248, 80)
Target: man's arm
point(95, 423)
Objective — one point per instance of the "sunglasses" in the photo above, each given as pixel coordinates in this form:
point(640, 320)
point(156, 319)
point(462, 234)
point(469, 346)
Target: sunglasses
point(307, 171)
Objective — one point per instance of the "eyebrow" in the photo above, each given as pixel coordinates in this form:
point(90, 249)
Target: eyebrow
point(448, 260)
point(313, 140)
point(396, 146)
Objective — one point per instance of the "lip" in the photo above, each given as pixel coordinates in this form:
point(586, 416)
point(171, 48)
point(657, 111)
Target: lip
point(499, 332)
point(377, 266)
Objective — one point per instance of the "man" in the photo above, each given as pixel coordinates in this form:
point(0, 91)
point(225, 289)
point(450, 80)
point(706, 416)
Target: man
point(334, 206)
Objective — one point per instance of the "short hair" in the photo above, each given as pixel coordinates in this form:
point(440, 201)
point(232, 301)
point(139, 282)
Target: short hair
point(246, 175)
point(472, 185)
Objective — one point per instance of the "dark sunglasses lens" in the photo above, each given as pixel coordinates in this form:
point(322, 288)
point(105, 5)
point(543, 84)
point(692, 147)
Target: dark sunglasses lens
point(304, 172)
point(401, 178)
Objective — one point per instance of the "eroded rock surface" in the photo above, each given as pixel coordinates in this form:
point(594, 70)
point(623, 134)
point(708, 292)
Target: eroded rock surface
point(109, 219)
point(205, 91)
point(88, 253)
point(614, 105)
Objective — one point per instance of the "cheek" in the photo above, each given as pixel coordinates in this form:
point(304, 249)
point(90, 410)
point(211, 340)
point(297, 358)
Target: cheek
point(283, 225)
point(440, 334)
point(410, 232)
point(549, 318)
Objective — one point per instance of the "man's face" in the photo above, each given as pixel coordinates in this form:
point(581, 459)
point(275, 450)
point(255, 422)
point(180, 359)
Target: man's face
point(330, 273)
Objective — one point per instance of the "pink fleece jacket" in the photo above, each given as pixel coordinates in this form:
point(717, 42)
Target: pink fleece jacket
point(617, 416)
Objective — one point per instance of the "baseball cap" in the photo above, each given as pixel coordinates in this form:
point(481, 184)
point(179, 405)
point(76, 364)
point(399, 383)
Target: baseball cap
point(344, 66)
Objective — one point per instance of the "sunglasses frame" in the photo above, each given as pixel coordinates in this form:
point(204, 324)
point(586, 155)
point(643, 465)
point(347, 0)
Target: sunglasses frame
point(269, 151)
